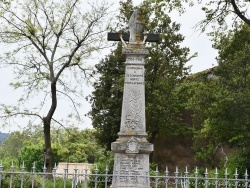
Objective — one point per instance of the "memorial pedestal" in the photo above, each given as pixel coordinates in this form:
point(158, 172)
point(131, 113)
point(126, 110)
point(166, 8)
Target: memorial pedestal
point(131, 161)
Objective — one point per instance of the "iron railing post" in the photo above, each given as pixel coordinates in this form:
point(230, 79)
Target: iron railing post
point(74, 178)
point(106, 176)
point(176, 177)
point(206, 176)
point(54, 175)
point(44, 174)
point(246, 179)
point(33, 174)
point(216, 177)
point(11, 173)
point(186, 180)
point(196, 177)
point(166, 178)
point(22, 175)
point(85, 177)
point(96, 178)
point(1, 173)
point(236, 179)
point(156, 177)
point(226, 180)
point(65, 176)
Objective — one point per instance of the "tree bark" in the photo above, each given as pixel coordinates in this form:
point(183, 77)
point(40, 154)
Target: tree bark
point(47, 145)
point(46, 128)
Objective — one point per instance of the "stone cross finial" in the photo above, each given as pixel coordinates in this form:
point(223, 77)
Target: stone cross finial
point(135, 32)
point(135, 27)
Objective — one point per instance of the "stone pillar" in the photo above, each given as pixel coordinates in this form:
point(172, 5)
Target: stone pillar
point(131, 149)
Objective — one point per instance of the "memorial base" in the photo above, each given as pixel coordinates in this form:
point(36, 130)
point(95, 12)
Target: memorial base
point(131, 170)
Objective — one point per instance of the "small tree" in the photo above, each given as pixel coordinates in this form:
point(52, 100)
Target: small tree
point(49, 41)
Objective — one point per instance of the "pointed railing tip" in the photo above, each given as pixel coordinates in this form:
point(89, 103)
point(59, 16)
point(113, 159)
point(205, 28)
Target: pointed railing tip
point(226, 173)
point(206, 171)
point(196, 171)
point(236, 172)
point(156, 168)
point(96, 169)
point(106, 169)
point(12, 166)
point(176, 171)
point(216, 171)
point(166, 170)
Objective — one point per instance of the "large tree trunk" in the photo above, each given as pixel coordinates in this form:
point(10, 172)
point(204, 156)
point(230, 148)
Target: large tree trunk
point(46, 128)
point(47, 144)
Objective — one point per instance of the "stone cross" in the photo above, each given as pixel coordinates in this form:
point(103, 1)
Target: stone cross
point(131, 149)
point(135, 32)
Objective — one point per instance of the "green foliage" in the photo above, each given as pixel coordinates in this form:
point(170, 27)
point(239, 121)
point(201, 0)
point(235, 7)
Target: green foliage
point(59, 183)
point(32, 156)
point(221, 105)
point(78, 146)
point(11, 161)
point(12, 145)
point(163, 70)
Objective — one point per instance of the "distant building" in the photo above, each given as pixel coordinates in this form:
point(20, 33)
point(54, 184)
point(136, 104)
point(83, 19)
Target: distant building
point(69, 169)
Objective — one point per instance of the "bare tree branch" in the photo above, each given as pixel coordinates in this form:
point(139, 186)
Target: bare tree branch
point(240, 13)
point(21, 113)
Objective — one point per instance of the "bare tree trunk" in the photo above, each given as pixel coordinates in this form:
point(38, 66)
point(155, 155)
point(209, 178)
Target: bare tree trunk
point(46, 129)
point(47, 144)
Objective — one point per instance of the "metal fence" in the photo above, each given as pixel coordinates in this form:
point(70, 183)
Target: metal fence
point(83, 178)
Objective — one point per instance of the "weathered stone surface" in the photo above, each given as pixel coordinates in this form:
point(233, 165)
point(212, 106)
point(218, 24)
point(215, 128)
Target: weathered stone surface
point(132, 144)
point(131, 171)
point(137, 50)
point(131, 163)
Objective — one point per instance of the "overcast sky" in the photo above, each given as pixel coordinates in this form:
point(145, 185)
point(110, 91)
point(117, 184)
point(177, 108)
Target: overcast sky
point(197, 42)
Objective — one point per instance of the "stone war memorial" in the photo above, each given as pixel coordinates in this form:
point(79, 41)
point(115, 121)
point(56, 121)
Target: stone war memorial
point(131, 149)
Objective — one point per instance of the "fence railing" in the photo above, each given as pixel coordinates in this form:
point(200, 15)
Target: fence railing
point(83, 178)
